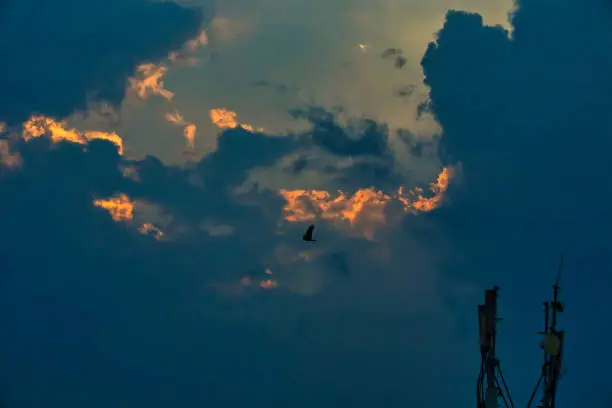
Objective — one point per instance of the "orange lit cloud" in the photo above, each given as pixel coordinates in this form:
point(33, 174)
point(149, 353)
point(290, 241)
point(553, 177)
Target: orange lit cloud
point(149, 81)
point(150, 229)
point(366, 204)
point(227, 119)
point(120, 207)
point(150, 77)
point(424, 204)
point(189, 129)
point(38, 126)
point(189, 132)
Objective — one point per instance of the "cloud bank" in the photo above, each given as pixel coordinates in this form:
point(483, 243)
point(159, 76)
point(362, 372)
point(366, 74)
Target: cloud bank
point(137, 262)
point(66, 54)
point(528, 117)
point(154, 284)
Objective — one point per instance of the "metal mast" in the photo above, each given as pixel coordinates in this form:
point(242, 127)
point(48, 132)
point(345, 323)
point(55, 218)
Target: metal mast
point(489, 390)
point(552, 345)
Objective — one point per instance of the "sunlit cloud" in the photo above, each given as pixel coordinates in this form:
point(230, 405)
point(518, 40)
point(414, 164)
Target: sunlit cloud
point(149, 81)
point(189, 129)
point(175, 118)
point(150, 229)
point(228, 119)
point(415, 199)
point(38, 126)
point(366, 205)
point(150, 77)
point(122, 209)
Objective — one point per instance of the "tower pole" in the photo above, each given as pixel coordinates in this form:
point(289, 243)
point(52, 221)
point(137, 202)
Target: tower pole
point(489, 387)
point(552, 346)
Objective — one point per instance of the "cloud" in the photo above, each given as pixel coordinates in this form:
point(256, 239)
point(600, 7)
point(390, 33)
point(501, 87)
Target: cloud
point(513, 119)
point(154, 284)
point(38, 126)
point(130, 270)
point(64, 54)
point(227, 119)
point(328, 134)
point(189, 129)
point(527, 114)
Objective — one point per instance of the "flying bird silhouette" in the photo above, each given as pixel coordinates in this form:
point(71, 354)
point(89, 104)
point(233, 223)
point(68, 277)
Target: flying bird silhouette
point(308, 235)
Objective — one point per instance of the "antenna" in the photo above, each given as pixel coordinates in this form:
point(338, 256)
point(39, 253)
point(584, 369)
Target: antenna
point(490, 368)
point(491, 386)
point(552, 346)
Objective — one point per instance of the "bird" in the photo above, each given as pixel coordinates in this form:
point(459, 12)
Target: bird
point(308, 234)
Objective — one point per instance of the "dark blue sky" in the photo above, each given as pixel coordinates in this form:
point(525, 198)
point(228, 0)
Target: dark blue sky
point(96, 314)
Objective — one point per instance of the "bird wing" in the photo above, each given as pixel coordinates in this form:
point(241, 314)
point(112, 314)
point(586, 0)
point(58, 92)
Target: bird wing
point(308, 234)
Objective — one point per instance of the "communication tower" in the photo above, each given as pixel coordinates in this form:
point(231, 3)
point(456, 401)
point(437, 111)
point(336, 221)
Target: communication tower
point(491, 386)
point(552, 346)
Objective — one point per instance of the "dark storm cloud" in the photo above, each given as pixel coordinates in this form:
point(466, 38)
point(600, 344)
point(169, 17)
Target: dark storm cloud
point(230, 159)
point(115, 308)
point(364, 141)
point(99, 315)
point(58, 55)
point(327, 133)
point(529, 118)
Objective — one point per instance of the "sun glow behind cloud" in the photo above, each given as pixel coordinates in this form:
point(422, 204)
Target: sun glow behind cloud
point(122, 209)
point(309, 205)
point(228, 119)
point(38, 126)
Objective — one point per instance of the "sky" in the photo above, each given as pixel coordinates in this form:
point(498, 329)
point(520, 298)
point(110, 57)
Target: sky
point(160, 161)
